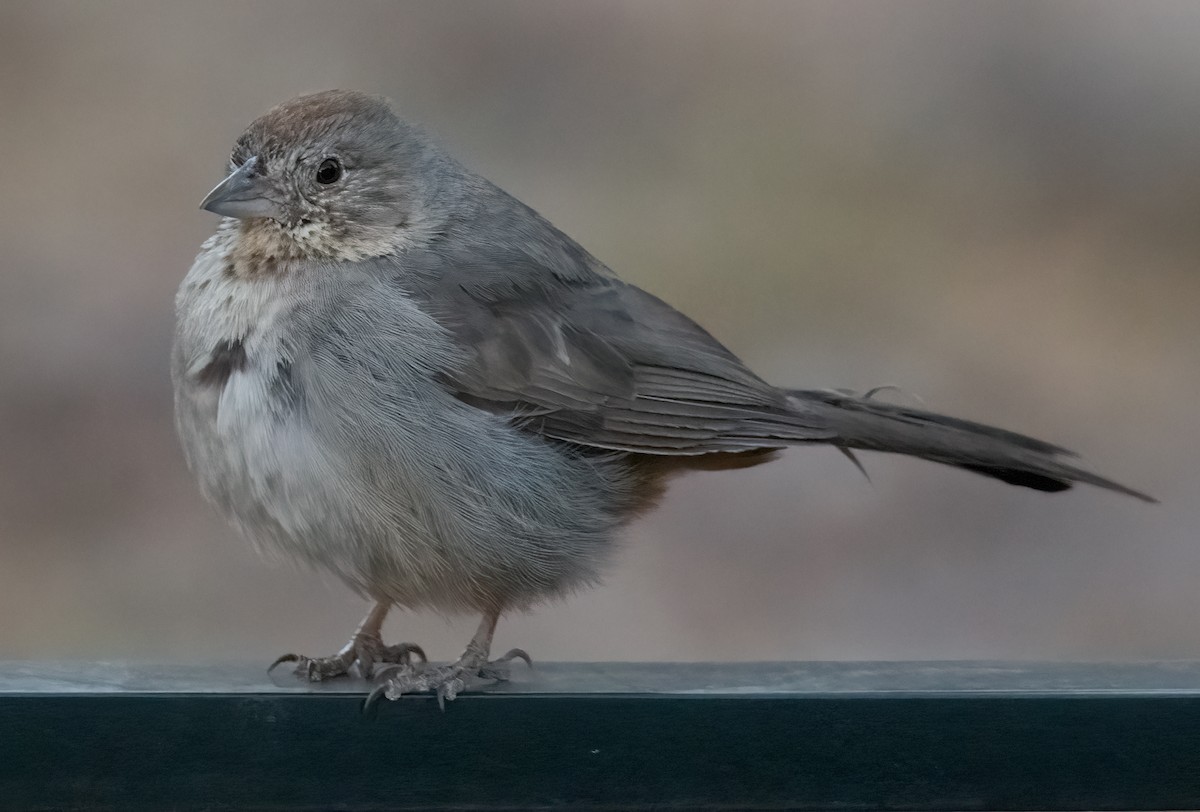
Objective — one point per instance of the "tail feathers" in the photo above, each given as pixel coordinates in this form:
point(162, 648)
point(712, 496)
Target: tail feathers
point(863, 423)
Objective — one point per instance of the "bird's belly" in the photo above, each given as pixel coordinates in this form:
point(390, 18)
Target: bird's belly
point(247, 454)
point(381, 477)
point(395, 535)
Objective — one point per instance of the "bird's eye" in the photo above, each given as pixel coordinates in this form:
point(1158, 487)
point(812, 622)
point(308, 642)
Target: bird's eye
point(329, 171)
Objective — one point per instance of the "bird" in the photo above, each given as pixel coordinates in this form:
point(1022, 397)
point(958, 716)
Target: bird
point(388, 368)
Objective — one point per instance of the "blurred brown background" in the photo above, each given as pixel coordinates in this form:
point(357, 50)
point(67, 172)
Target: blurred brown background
point(992, 204)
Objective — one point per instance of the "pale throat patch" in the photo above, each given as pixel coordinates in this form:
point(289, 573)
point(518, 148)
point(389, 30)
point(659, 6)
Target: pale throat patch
point(262, 247)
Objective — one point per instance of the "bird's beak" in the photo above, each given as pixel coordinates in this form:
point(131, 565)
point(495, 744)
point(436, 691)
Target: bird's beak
point(243, 194)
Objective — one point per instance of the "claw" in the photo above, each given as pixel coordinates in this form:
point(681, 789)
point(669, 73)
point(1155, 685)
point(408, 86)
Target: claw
point(360, 656)
point(516, 654)
point(448, 691)
point(403, 652)
point(445, 682)
point(286, 658)
point(384, 675)
point(498, 669)
point(370, 708)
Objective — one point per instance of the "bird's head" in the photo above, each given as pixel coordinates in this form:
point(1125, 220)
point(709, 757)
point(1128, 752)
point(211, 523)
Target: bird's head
point(333, 175)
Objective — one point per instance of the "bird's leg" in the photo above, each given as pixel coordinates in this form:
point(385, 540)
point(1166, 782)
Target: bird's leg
point(447, 681)
point(365, 649)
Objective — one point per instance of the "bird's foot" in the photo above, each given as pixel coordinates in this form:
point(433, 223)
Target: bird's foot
point(446, 681)
point(361, 654)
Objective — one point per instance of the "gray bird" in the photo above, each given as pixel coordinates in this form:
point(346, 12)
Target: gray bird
point(389, 368)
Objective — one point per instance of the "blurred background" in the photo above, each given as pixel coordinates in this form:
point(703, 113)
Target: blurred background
point(992, 204)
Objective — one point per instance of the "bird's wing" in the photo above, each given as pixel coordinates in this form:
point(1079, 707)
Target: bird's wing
point(547, 336)
point(571, 352)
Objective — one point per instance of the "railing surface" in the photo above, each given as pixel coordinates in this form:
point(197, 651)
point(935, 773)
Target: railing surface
point(846, 736)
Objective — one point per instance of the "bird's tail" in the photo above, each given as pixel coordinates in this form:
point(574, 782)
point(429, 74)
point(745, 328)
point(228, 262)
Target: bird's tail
point(865, 423)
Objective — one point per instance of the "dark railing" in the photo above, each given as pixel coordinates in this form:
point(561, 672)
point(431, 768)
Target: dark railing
point(846, 736)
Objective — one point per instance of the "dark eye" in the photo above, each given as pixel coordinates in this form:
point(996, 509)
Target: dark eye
point(329, 171)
